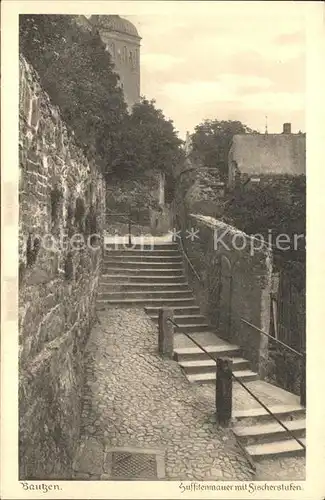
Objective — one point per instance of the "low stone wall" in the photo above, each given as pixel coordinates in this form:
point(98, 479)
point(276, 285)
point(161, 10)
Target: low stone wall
point(62, 196)
point(235, 282)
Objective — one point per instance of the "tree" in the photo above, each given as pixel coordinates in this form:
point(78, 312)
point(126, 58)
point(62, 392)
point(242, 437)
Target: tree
point(149, 142)
point(271, 210)
point(77, 72)
point(211, 143)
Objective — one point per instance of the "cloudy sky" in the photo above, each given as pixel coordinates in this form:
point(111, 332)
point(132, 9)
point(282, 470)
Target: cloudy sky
point(220, 60)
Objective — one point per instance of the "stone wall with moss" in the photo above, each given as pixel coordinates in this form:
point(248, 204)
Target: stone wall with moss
point(61, 203)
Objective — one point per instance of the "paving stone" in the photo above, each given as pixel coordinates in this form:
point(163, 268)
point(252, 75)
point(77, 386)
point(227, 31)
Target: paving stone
point(81, 475)
point(91, 457)
point(150, 402)
point(105, 477)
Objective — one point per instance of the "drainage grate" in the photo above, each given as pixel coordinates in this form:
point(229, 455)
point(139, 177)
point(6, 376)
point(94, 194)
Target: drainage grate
point(134, 466)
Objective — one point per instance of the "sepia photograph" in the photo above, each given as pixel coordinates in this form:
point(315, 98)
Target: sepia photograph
point(162, 246)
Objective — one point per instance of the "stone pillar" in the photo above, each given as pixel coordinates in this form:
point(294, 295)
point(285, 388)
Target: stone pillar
point(165, 332)
point(224, 390)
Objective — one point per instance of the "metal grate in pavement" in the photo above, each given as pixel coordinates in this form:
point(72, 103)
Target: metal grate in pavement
point(139, 466)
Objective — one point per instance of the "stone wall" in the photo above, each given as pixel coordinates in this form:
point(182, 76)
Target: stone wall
point(205, 192)
point(234, 284)
point(61, 195)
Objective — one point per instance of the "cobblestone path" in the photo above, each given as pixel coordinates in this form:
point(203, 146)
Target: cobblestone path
point(135, 399)
point(284, 469)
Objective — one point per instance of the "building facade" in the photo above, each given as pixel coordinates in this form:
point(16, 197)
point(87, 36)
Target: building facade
point(262, 156)
point(123, 42)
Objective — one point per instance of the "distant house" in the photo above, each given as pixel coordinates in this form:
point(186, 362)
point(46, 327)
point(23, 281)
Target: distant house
point(261, 156)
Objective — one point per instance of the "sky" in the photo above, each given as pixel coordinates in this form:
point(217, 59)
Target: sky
point(235, 60)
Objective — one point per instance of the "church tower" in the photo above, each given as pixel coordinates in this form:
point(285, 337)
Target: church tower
point(123, 42)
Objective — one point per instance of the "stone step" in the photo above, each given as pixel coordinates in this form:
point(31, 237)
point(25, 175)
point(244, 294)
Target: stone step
point(141, 247)
point(141, 264)
point(184, 319)
point(195, 326)
point(138, 286)
point(145, 252)
point(259, 415)
point(195, 354)
point(209, 366)
point(142, 257)
point(191, 328)
point(131, 278)
point(193, 309)
point(141, 302)
point(271, 431)
point(168, 294)
point(276, 449)
point(210, 378)
point(147, 271)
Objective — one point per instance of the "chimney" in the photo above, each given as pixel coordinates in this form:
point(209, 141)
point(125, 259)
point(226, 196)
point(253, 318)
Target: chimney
point(286, 128)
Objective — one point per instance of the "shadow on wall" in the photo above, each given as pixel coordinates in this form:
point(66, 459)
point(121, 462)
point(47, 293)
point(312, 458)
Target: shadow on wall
point(57, 286)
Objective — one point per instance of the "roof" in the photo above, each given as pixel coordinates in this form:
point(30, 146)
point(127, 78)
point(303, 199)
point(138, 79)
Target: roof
point(115, 23)
point(269, 153)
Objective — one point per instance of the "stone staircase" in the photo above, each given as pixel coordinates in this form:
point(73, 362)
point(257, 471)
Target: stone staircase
point(153, 278)
point(262, 437)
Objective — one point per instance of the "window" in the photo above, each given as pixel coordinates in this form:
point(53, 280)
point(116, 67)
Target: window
point(125, 54)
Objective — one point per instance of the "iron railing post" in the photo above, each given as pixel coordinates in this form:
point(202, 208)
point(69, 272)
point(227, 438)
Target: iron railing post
point(218, 400)
point(224, 390)
point(303, 382)
point(129, 228)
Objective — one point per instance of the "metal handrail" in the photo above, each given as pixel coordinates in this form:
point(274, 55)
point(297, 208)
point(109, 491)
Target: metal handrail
point(273, 338)
point(128, 219)
point(198, 277)
point(244, 386)
point(194, 341)
point(269, 411)
point(196, 274)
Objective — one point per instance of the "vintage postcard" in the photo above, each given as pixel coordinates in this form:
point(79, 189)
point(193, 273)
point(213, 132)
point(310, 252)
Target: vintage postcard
point(160, 333)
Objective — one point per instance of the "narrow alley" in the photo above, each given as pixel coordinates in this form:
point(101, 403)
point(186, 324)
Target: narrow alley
point(138, 403)
point(134, 399)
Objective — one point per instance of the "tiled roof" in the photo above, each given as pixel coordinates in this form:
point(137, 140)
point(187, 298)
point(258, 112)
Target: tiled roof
point(269, 153)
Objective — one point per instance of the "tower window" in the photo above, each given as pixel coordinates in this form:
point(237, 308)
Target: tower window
point(125, 54)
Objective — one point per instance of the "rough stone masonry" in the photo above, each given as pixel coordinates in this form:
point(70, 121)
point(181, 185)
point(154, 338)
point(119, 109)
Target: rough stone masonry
point(61, 194)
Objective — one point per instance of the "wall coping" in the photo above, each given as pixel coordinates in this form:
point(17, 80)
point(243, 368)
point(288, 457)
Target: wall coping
point(213, 223)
